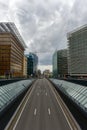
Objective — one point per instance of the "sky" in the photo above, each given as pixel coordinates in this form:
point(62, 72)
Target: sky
point(44, 24)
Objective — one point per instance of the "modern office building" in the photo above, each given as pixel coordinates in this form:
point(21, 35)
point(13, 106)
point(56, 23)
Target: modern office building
point(32, 62)
point(12, 49)
point(60, 65)
point(55, 64)
point(77, 52)
point(25, 67)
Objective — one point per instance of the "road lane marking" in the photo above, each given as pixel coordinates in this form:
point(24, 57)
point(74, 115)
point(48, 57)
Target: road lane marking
point(46, 93)
point(35, 111)
point(37, 94)
point(22, 109)
point(60, 106)
point(49, 112)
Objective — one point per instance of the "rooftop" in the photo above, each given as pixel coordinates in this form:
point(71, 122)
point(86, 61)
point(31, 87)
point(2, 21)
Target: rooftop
point(10, 27)
point(81, 28)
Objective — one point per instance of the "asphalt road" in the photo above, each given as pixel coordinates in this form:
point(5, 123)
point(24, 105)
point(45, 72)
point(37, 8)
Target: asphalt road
point(42, 111)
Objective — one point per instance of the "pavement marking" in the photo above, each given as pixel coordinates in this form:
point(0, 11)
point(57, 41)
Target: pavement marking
point(35, 111)
point(23, 109)
point(37, 94)
point(46, 93)
point(49, 111)
point(61, 108)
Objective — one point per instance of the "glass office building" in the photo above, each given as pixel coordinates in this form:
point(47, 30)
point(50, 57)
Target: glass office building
point(12, 49)
point(55, 64)
point(32, 62)
point(60, 65)
point(77, 57)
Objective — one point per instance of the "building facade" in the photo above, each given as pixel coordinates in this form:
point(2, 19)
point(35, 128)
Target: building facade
point(77, 52)
point(11, 50)
point(32, 62)
point(55, 64)
point(60, 63)
point(25, 67)
point(47, 73)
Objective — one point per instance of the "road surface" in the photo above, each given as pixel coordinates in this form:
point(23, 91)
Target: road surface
point(42, 110)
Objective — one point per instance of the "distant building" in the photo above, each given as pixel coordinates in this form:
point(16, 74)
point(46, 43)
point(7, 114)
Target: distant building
point(12, 49)
point(38, 74)
point(47, 73)
point(32, 62)
point(77, 46)
point(25, 67)
point(60, 65)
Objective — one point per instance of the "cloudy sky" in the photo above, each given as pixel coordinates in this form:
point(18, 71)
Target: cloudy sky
point(44, 24)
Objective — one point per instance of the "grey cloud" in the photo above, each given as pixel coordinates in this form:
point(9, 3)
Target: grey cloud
point(78, 14)
point(44, 23)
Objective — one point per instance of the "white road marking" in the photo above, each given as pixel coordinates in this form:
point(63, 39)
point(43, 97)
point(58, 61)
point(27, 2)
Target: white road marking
point(49, 111)
point(61, 107)
point(37, 94)
point(46, 93)
point(23, 109)
point(35, 111)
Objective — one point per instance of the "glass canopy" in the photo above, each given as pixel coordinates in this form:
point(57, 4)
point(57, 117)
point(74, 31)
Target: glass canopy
point(77, 93)
point(9, 92)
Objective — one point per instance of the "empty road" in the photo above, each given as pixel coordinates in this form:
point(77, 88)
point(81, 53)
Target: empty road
point(43, 110)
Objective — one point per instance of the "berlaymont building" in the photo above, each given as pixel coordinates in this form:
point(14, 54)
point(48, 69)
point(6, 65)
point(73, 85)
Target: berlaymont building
point(12, 49)
point(77, 52)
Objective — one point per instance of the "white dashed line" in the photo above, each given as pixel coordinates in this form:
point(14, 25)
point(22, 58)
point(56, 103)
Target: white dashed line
point(22, 110)
point(35, 111)
point(37, 94)
point(49, 112)
point(46, 93)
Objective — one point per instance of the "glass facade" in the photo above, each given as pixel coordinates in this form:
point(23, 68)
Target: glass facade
point(25, 67)
point(17, 58)
point(4, 59)
point(60, 65)
point(11, 51)
point(32, 62)
point(55, 64)
point(77, 57)
point(62, 62)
